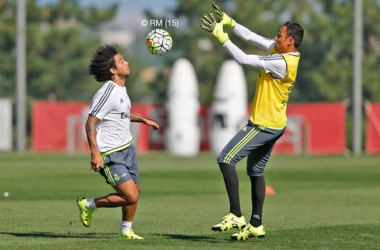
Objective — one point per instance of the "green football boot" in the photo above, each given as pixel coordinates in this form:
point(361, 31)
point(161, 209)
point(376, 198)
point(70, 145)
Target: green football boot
point(129, 235)
point(85, 213)
point(230, 221)
point(248, 232)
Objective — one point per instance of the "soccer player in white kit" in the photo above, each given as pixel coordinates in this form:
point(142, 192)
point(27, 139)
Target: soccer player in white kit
point(109, 138)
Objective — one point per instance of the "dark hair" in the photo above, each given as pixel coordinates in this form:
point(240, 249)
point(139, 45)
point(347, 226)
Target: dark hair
point(101, 63)
point(294, 30)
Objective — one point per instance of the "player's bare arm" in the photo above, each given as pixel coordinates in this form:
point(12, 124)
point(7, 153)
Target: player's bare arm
point(152, 123)
point(96, 158)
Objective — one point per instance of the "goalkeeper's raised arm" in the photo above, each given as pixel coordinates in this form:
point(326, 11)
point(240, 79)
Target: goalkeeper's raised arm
point(253, 38)
point(242, 32)
point(275, 64)
point(287, 40)
point(210, 24)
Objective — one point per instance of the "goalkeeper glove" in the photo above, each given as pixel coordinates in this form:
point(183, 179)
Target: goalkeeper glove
point(225, 19)
point(208, 23)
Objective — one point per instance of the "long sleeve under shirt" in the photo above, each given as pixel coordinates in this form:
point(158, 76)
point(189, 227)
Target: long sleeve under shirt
point(274, 63)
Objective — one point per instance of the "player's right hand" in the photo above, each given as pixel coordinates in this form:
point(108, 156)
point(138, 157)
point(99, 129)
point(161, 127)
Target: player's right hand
point(224, 18)
point(96, 162)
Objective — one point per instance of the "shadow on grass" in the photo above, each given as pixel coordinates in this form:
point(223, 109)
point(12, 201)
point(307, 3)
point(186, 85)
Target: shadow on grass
point(57, 235)
point(193, 238)
point(69, 235)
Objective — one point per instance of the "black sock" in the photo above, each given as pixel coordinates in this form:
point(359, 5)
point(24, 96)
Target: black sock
point(258, 196)
point(232, 185)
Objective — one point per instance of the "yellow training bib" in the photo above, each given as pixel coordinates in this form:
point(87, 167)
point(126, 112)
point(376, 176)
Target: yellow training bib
point(272, 95)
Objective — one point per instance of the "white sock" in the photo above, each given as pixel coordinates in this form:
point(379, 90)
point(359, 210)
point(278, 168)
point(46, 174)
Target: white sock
point(91, 203)
point(125, 225)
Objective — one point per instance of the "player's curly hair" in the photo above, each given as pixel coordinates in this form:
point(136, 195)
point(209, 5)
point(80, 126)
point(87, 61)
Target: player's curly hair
point(101, 63)
point(294, 30)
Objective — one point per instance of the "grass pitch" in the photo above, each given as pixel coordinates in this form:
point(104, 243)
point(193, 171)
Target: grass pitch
point(320, 203)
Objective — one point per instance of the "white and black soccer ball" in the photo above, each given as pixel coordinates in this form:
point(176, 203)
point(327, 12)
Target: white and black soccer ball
point(159, 42)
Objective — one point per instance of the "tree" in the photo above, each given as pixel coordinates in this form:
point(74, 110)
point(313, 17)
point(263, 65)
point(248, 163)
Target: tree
point(61, 38)
point(325, 70)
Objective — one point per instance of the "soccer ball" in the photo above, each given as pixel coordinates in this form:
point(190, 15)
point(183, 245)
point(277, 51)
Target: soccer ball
point(159, 42)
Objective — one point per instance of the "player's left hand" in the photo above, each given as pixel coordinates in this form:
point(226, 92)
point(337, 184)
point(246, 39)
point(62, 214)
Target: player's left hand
point(153, 124)
point(209, 24)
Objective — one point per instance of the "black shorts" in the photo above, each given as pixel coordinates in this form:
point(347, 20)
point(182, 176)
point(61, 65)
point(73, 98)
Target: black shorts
point(255, 141)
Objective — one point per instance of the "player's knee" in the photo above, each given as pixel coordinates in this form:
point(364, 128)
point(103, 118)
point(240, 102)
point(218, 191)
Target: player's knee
point(220, 159)
point(130, 198)
point(256, 172)
point(134, 198)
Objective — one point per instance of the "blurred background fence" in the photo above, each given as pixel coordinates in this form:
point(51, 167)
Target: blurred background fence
point(62, 35)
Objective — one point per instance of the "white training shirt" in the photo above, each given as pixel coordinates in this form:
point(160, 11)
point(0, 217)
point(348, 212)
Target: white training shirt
point(112, 106)
point(274, 63)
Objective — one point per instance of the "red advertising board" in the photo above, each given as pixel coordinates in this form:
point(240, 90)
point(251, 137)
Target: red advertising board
point(49, 124)
point(322, 127)
point(373, 128)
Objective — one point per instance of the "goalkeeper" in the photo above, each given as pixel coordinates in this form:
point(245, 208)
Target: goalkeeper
point(267, 122)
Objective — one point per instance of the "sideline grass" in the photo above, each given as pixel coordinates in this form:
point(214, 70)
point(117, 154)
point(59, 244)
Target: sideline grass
point(320, 203)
